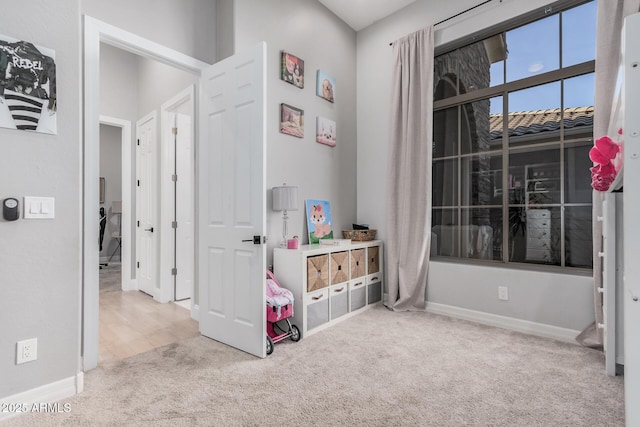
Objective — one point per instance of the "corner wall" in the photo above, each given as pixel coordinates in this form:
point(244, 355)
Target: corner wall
point(554, 299)
point(308, 30)
point(40, 269)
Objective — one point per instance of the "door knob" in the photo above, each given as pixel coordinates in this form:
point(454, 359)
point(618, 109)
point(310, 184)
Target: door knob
point(149, 229)
point(257, 240)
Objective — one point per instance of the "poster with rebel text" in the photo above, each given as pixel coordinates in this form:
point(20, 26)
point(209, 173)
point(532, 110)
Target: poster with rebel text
point(28, 98)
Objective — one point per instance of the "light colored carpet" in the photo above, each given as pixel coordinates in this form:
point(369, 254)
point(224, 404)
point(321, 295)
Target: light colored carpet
point(376, 369)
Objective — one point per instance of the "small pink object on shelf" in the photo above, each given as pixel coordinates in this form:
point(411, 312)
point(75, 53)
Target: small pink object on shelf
point(292, 243)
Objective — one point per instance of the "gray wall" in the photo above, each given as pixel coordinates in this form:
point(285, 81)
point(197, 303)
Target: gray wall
point(157, 83)
point(554, 299)
point(111, 170)
point(308, 30)
point(40, 259)
point(224, 29)
point(187, 26)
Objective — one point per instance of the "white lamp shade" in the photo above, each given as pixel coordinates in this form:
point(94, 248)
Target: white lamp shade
point(285, 198)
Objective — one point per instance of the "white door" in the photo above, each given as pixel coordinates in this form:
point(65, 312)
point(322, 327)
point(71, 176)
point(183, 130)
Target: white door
point(146, 204)
point(232, 194)
point(184, 208)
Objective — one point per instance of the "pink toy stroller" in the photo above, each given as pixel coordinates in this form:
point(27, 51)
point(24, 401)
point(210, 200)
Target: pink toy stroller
point(279, 310)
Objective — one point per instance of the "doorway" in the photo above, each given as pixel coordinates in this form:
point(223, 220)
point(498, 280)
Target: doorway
point(123, 128)
point(240, 82)
point(96, 33)
point(178, 198)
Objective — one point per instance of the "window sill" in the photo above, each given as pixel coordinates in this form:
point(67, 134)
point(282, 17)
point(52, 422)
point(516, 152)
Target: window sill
point(574, 271)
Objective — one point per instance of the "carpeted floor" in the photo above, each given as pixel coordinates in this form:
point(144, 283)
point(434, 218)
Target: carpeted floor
point(376, 369)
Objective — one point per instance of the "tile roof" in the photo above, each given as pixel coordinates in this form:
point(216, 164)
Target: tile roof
point(534, 122)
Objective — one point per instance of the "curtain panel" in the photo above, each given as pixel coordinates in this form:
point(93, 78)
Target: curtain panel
point(409, 179)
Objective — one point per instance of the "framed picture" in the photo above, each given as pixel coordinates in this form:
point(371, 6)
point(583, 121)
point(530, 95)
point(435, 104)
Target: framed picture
point(291, 120)
point(325, 86)
point(28, 99)
point(318, 220)
point(292, 69)
point(326, 131)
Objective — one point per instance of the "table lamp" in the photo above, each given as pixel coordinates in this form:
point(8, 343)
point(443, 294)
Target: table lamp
point(285, 198)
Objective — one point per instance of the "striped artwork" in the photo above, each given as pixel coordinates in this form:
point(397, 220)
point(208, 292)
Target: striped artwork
point(28, 92)
point(25, 109)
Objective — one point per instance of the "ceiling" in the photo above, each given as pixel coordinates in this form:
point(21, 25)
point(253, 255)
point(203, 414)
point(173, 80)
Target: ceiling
point(362, 13)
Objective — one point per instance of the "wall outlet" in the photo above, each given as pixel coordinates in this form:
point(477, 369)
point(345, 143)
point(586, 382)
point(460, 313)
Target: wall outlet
point(503, 293)
point(27, 351)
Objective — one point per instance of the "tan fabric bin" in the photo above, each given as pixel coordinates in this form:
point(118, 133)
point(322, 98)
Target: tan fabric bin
point(339, 267)
point(373, 259)
point(357, 263)
point(317, 272)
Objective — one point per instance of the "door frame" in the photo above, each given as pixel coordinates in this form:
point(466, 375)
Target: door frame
point(167, 196)
point(126, 277)
point(96, 32)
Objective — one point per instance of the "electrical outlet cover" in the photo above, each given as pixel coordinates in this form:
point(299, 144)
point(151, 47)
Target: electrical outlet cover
point(26, 351)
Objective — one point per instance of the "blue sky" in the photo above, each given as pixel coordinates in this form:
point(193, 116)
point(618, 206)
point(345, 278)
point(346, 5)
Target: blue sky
point(535, 49)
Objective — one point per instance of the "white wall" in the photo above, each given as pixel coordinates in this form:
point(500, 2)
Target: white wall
point(554, 299)
point(40, 266)
point(111, 171)
point(308, 30)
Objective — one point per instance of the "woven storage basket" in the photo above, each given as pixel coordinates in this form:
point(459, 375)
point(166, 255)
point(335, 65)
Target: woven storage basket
point(357, 263)
point(339, 267)
point(359, 235)
point(317, 272)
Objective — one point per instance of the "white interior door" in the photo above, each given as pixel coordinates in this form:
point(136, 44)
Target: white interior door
point(146, 204)
point(184, 205)
point(232, 160)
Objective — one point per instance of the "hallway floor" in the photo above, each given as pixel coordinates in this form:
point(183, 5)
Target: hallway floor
point(132, 323)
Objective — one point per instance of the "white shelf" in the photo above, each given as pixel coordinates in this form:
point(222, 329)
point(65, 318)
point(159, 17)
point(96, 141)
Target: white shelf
point(348, 288)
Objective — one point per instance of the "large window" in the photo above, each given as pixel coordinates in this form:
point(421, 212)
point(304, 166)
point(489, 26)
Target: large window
point(513, 125)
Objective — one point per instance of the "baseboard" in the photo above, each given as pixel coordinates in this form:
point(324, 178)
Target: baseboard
point(49, 393)
point(195, 312)
point(518, 325)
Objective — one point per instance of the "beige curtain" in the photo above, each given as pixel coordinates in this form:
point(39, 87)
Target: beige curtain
point(611, 14)
point(409, 179)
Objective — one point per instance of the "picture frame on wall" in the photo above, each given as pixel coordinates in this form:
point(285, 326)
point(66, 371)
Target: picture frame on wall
point(325, 86)
point(28, 99)
point(326, 132)
point(291, 120)
point(292, 69)
point(318, 220)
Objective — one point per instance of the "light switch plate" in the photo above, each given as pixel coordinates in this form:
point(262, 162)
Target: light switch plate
point(39, 207)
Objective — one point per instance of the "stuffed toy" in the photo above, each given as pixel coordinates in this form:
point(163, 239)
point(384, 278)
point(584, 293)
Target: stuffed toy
point(603, 173)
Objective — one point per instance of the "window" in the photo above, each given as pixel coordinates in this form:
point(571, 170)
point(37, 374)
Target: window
point(513, 125)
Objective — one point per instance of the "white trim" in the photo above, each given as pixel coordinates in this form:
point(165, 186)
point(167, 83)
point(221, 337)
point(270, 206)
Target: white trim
point(518, 325)
point(166, 191)
point(129, 282)
point(195, 311)
point(96, 32)
point(47, 393)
